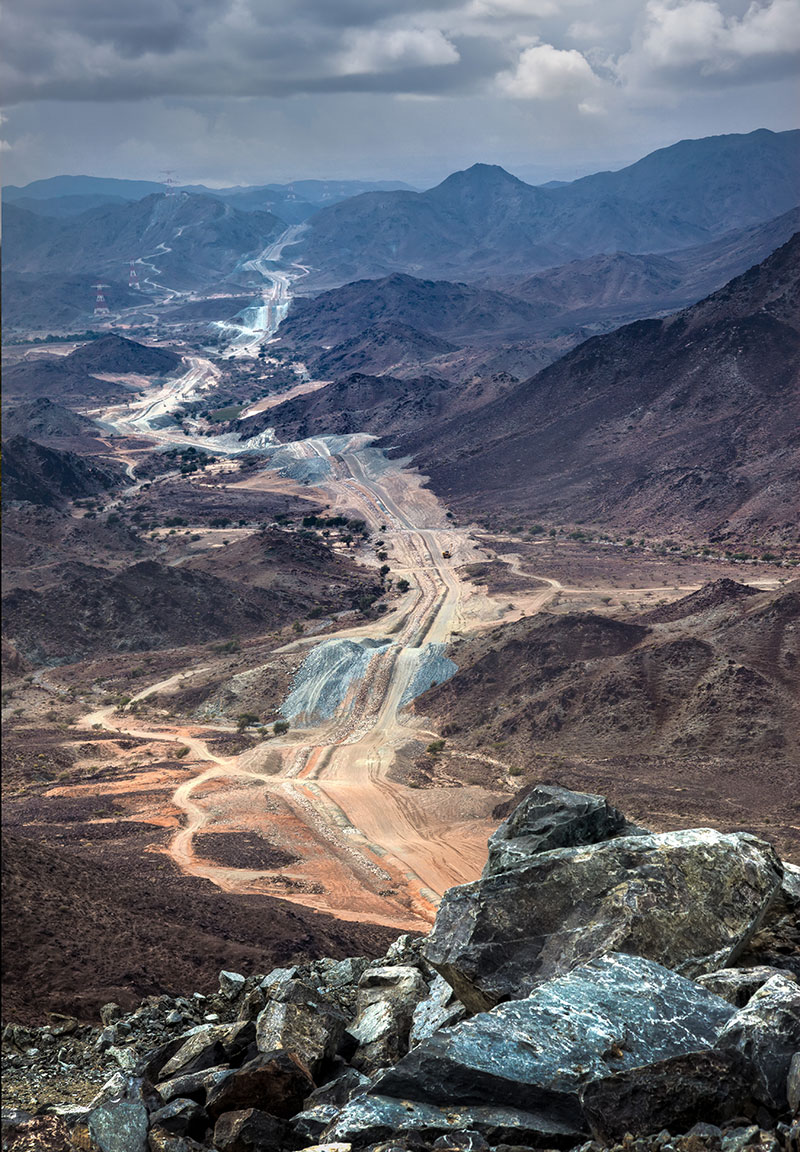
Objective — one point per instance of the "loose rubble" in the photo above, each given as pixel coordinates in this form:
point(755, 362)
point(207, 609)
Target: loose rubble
point(599, 987)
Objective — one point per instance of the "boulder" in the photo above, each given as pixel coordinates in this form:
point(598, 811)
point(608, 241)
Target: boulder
point(299, 1021)
point(182, 1117)
point(277, 1082)
point(551, 817)
point(615, 1013)
point(689, 900)
point(160, 1140)
point(670, 1094)
point(248, 1130)
point(231, 984)
point(386, 1000)
point(793, 1084)
point(196, 1086)
point(208, 1046)
point(369, 1119)
point(737, 985)
point(439, 1009)
point(766, 1033)
point(118, 1121)
point(340, 1090)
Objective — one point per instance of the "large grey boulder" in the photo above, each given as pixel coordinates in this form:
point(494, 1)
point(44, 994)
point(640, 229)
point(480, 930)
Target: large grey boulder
point(675, 1094)
point(299, 1021)
point(689, 900)
point(552, 817)
point(276, 1082)
point(118, 1120)
point(738, 985)
point(387, 997)
point(766, 1033)
point(208, 1046)
point(369, 1119)
point(615, 1013)
point(439, 1009)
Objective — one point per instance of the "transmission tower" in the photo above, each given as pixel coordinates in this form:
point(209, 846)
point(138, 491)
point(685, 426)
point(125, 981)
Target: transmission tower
point(133, 278)
point(100, 306)
point(169, 181)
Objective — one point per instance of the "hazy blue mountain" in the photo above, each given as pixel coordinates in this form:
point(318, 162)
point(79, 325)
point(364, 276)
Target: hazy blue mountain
point(82, 186)
point(486, 221)
point(185, 238)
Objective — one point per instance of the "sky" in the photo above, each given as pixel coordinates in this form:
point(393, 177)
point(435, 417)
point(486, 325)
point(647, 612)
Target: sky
point(229, 92)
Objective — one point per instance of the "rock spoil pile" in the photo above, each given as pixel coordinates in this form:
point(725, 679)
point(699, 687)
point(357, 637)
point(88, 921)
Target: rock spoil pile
point(588, 991)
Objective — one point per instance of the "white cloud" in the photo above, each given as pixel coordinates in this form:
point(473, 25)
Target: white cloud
point(547, 73)
point(698, 33)
point(370, 50)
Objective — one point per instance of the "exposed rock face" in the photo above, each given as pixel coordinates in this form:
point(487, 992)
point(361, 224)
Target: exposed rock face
point(300, 1022)
point(595, 1039)
point(613, 1014)
point(386, 1001)
point(702, 1086)
point(551, 817)
point(766, 1033)
point(689, 900)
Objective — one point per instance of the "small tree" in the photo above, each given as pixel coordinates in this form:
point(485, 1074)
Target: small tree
point(280, 726)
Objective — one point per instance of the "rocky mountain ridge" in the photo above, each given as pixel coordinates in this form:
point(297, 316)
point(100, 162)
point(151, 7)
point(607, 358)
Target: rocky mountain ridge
point(659, 1011)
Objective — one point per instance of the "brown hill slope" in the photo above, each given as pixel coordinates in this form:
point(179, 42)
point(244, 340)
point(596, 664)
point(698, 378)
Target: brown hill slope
point(719, 679)
point(684, 425)
point(40, 475)
point(690, 709)
point(81, 932)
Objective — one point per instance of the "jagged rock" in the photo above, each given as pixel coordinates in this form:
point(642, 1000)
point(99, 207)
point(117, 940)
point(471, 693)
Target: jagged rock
point(340, 1090)
point(737, 985)
point(385, 1004)
point(208, 1046)
point(439, 1009)
point(766, 1033)
point(151, 1064)
point(182, 1117)
point(277, 1081)
point(299, 1021)
point(368, 1119)
point(735, 1139)
point(670, 1094)
point(327, 1148)
point(160, 1140)
point(110, 1013)
point(195, 1086)
point(312, 1121)
point(230, 984)
point(689, 900)
point(461, 1141)
point(248, 1130)
point(118, 1121)
point(337, 980)
point(615, 1013)
point(551, 817)
point(793, 1084)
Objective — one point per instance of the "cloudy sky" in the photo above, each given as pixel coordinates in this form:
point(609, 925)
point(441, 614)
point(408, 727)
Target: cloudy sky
point(254, 91)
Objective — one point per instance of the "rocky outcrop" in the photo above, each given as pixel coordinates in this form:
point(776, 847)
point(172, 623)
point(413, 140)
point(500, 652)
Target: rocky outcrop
point(551, 817)
point(626, 1019)
point(688, 900)
point(611, 1015)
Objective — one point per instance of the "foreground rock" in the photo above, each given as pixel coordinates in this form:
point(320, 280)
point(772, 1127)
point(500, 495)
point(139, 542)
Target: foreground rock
point(613, 1014)
point(551, 817)
point(630, 1014)
point(688, 900)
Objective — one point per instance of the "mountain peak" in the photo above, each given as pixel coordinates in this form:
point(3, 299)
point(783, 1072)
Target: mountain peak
point(482, 176)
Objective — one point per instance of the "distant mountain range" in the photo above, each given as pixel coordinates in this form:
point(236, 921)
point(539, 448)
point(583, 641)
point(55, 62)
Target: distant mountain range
point(687, 425)
point(292, 203)
point(182, 240)
point(403, 325)
point(485, 221)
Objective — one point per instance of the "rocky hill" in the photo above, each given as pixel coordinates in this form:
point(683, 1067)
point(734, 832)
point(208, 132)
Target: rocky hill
point(71, 379)
point(44, 420)
point(684, 425)
point(486, 221)
point(41, 475)
point(599, 986)
point(193, 239)
point(151, 605)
